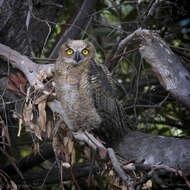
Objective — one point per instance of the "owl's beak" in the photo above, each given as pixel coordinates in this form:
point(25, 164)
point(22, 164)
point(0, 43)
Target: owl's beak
point(77, 56)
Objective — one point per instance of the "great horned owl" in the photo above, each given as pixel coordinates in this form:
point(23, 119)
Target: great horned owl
point(85, 88)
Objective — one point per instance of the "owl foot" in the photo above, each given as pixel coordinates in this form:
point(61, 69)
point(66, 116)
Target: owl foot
point(104, 153)
point(92, 142)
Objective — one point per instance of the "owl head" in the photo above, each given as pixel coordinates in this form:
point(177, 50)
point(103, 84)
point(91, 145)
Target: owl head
point(77, 51)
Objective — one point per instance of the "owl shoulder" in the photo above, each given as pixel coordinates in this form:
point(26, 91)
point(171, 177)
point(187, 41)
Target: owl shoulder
point(101, 79)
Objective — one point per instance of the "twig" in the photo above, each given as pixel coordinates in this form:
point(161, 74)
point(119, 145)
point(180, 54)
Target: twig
point(154, 173)
point(74, 179)
point(124, 54)
point(153, 7)
point(14, 165)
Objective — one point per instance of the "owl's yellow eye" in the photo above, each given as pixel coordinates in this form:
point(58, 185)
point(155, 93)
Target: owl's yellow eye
point(69, 51)
point(85, 52)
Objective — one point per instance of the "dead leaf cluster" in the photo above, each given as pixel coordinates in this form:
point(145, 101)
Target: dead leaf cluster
point(34, 116)
point(63, 144)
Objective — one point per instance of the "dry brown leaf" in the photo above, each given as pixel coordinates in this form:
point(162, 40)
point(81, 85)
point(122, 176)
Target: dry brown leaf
point(27, 112)
point(49, 129)
point(65, 141)
point(38, 132)
point(57, 146)
point(11, 86)
point(73, 156)
point(113, 180)
point(70, 146)
point(13, 184)
point(19, 127)
point(64, 145)
point(147, 185)
point(28, 94)
point(5, 132)
point(36, 148)
point(40, 99)
point(21, 77)
point(42, 116)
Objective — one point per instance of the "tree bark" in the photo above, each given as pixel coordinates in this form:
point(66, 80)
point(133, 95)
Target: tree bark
point(165, 64)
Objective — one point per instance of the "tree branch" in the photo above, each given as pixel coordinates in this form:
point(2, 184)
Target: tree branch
point(24, 64)
point(148, 150)
point(165, 64)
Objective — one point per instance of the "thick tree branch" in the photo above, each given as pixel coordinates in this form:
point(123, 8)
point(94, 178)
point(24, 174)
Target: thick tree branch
point(166, 65)
point(148, 150)
point(23, 63)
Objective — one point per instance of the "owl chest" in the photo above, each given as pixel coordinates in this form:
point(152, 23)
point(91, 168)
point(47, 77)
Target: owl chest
point(77, 102)
point(75, 92)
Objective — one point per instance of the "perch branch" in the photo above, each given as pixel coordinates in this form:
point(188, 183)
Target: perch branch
point(148, 150)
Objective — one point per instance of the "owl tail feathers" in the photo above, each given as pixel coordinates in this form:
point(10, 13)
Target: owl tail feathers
point(111, 131)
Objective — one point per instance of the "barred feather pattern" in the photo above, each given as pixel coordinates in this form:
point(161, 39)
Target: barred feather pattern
point(107, 106)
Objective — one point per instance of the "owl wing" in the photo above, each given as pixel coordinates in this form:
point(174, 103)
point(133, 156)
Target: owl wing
point(105, 102)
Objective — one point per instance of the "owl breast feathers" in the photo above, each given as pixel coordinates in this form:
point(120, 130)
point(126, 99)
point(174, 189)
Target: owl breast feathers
point(85, 89)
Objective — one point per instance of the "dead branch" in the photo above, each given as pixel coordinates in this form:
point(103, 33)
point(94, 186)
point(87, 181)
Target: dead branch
point(166, 65)
point(153, 7)
point(148, 150)
point(24, 64)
